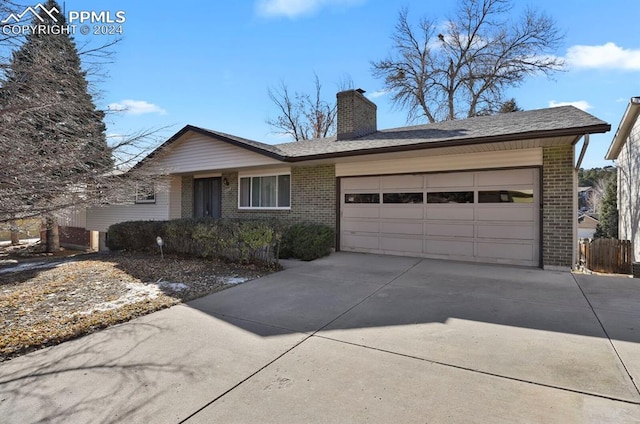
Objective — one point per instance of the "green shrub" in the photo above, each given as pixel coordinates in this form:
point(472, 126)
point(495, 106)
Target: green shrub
point(307, 241)
point(247, 241)
point(135, 235)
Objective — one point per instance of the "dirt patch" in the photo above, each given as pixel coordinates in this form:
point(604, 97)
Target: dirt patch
point(46, 301)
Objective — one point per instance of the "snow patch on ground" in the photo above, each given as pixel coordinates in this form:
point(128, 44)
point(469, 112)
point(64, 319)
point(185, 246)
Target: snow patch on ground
point(235, 280)
point(136, 292)
point(176, 287)
point(32, 265)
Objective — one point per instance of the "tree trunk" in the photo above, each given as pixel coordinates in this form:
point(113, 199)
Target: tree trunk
point(53, 235)
point(15, 234)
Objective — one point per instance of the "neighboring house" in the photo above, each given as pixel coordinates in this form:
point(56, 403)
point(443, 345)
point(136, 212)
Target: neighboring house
point(497, 189)
point(625, 150)
point(587, 225)
point(584, 194)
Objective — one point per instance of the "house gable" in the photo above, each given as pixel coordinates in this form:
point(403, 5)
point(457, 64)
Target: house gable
point(196, 152)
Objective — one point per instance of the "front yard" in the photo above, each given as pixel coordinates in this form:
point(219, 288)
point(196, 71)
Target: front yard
point(46, 301)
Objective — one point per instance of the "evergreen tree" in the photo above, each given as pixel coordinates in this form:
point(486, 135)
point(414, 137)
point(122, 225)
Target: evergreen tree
point(48, 119)
point(608, 225)
point(509, 106)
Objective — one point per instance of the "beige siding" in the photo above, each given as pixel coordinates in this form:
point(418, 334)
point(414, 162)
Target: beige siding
point(629, 190)
point(175, 197)
point(426, 162)
point(72, 218)
point(100, 218)
point(200, 153)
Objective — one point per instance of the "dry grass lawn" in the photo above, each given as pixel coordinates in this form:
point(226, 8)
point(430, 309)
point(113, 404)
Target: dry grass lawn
point(48, 300)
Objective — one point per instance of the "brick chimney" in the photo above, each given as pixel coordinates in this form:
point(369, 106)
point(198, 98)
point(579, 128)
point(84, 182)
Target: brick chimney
point(356, 114)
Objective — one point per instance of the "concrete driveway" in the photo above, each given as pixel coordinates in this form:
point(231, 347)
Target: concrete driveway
point(355, 338)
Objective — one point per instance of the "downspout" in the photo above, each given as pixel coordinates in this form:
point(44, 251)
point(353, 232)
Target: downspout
point(583, 151)
point(574, 253)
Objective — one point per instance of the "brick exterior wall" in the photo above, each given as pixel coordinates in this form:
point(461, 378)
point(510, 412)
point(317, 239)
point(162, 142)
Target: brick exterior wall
point(558, 208)
point(356, 115)
point(70, 237)
point(187, 197)
point(313, 192)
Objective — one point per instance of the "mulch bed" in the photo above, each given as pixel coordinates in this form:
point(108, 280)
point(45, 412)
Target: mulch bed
point(48, 300)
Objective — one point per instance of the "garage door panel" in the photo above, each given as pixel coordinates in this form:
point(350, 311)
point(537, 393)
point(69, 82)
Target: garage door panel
point(365, 183)
point(505, 213)
point(455, 248)
point(505, 251)
point(499, 178)
point(403, 181)
point(369, 211)
point(452, 230)
point(402, 212)
point(450, 213)
point(499, 225)
point(364, 242)
point(401, 244)
point(361, 226)
point(414, 228)
point(509, 232)
point(450, 180)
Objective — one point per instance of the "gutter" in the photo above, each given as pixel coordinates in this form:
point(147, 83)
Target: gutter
point(626, 124)
point(585, 144)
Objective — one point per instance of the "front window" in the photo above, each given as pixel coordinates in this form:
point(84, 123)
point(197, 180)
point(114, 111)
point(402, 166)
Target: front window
point(270, 192)
point(145, 193)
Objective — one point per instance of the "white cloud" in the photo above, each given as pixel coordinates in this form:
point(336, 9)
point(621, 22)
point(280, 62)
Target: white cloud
point(580, 104)
point(135, 107)
point(296, 8)
point(606, 56)
point(378, 93)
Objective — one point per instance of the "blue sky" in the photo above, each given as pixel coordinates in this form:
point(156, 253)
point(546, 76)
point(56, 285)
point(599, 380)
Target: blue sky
point(210, 63)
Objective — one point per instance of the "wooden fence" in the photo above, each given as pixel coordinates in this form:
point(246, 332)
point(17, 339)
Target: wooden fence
point(606, 255)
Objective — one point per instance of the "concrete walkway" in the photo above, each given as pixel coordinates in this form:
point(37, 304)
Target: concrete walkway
point(355, 338)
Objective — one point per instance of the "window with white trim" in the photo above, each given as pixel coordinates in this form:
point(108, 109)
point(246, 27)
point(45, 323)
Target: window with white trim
point(145, 193)
point(265, 192)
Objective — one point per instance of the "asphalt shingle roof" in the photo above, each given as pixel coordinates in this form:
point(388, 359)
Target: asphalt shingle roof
point(565, 120)
point(540, 123)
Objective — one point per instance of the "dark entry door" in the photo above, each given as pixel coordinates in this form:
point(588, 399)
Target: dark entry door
point(207, 197)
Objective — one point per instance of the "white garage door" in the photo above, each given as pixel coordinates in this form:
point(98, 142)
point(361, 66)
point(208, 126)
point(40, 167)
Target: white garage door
point(484, 216)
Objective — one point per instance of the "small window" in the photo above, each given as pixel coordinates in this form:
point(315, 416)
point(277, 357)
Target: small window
point(402, 198)
point(145, 193)
point(450, 197)
point(505, 196)
point(273, 191)
point(362, 198)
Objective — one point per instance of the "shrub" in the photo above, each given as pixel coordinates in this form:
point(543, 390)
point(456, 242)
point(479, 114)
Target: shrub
point(250, 241)
point(135, 235)
point(307, 241)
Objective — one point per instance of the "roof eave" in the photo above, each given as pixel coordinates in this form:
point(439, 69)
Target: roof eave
point(592, 129)
point(624, 129)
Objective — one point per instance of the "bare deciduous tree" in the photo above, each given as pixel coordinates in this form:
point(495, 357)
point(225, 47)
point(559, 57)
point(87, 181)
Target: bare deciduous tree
point(463, 69)
point(52, 137)
point(595, 195)
point(303, 116)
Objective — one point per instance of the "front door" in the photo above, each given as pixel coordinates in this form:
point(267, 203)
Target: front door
point(207, 197)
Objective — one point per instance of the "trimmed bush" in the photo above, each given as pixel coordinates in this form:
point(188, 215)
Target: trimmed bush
point(135, 235)
point(247, 241)
point(307, 241)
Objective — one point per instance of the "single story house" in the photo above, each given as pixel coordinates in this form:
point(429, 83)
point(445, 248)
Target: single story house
point(495, 189)
point(587, 226)
point(625, 150)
